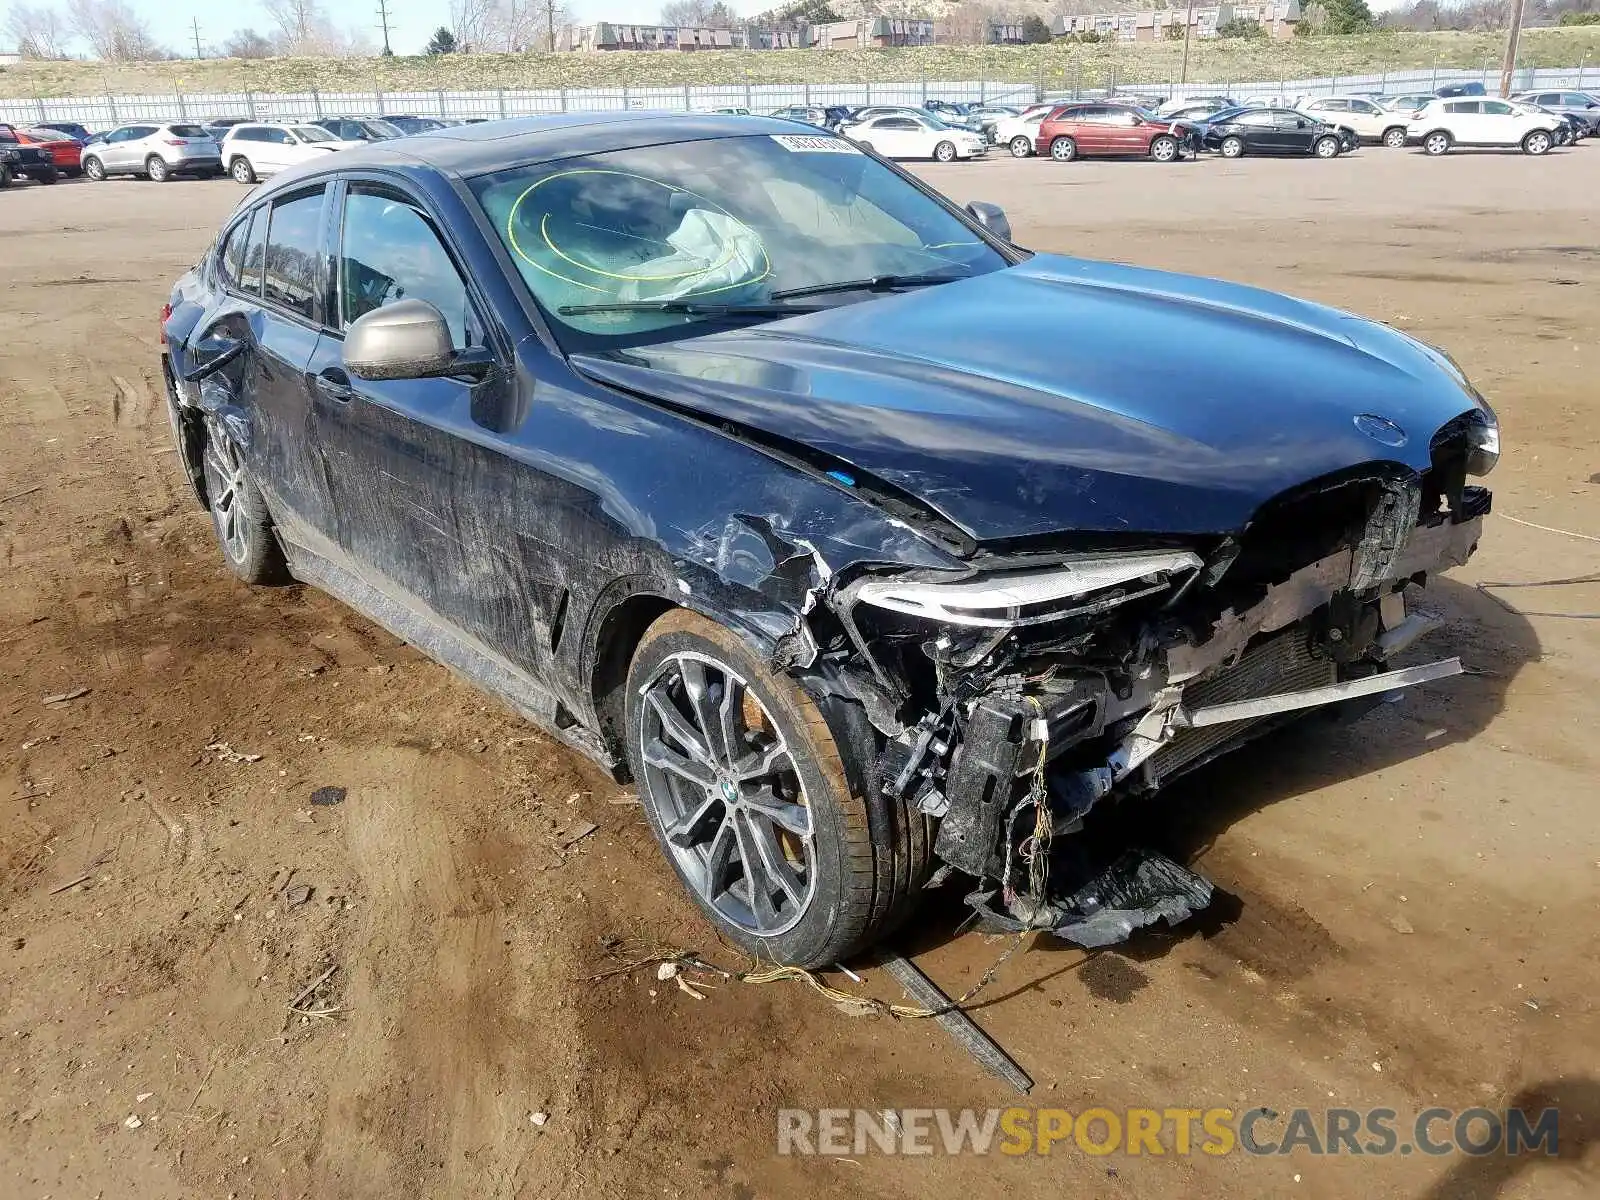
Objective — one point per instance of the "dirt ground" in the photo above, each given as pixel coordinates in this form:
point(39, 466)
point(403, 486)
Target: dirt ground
point(1411, 901)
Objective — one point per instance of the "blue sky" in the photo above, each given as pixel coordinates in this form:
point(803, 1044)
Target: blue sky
point(411, 22)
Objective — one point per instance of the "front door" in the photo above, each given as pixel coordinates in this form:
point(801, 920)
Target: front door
point(1292, 133)
point(428, 502)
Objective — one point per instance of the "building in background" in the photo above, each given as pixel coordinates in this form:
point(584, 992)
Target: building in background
point(605, 35)
point(1146, 25)
point(872, 32)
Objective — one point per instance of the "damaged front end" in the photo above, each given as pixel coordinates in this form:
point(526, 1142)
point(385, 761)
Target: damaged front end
point(1016, 697)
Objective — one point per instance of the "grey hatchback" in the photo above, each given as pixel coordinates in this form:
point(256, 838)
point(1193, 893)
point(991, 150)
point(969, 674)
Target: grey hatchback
point(154, 149)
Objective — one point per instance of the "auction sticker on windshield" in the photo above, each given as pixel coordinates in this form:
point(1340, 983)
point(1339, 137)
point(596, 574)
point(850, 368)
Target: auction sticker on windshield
point(800, 144)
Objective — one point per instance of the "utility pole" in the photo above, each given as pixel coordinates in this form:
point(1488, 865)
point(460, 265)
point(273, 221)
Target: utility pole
point(383, 23)
point(1188, 31)
point(1508, 69)
point(195, 25)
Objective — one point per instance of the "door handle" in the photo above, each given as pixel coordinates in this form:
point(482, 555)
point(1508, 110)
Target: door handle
point(334, 384)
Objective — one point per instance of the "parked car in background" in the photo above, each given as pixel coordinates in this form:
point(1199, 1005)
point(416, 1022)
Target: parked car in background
point(822, 540)
point(1274, 131)
point(1369, 121)
point(1409, 102)
point(254, 151)
point(803, 113)
point(217, 127)
point(63, 148)
point(1110, 130)
point(984, 118)
point(359, 129)
point(1203, 111)
point(1442, 125)
point(903, 135)
point(70, 128)
point(1184, 104)
point(1576, 104)
point(1020, 133)
point(27, 160)
point(1569, 128)
point(409, 125)
point(155, 150)
point(1458, 89)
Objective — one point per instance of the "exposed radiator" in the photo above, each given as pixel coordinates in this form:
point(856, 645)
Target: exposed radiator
point(1282, 664)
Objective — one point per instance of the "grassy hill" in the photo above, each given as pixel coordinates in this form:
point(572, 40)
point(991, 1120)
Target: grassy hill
point(1055, 66)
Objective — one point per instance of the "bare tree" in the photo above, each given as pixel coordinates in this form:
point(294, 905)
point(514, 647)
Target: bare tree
point(113, 30)
point(247, 43)
point(473, 23)
point(555, 17)
point(304, 28)
point(37, 32)
point(968, 24)
point(698, 14)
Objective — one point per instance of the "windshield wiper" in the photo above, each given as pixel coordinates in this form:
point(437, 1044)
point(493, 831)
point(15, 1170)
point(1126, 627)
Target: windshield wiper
point(689, 307)
point(878, 283)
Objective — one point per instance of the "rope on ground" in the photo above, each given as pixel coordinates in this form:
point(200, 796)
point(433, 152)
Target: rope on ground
point(1585, 537)
point(780, 974)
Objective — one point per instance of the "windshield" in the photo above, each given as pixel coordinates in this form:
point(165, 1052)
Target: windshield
point(724, 221)
point(383, 129)
point(313, 133)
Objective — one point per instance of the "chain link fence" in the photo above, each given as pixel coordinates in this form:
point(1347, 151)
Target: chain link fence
point(101, 112)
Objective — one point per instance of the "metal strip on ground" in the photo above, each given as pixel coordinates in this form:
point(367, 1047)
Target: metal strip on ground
point(957, 1024)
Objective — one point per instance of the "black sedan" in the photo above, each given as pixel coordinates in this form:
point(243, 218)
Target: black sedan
point(864, 541)
point(1239, 131)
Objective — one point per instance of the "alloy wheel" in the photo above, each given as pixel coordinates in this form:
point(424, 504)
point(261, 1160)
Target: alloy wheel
point(1232, 148)
point(1394, 139)
point(1328, 148)
point(725, 790)
point(944, 152)
point(1164, 149)
point(1437, 143)
point(1063, 149)
point(225, 477)
point(94, 169)
point(1536, 143)
point(157, 169)
point(1021, 147)
point(242, 171)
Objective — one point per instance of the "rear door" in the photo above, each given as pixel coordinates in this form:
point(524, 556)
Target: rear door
point(1090, 127)
point(286, 267)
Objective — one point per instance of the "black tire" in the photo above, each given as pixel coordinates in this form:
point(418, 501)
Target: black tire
point(94, 168)
point(1436, 143)
point(866, 860)
point(72, 172)
point(239, 512)
point(1326, 147)
point(156, 169)
point(241, 170)
point(1232, 147)
point(5, 175)
point(1537, 142)
point(1021, 146)
point(1063, 149)
point(944, 152)
point(1165, 149)
point(1395, 137)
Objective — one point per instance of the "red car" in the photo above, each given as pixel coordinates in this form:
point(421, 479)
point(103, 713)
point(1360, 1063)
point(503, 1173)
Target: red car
point(62, 148)
point(1103, 130)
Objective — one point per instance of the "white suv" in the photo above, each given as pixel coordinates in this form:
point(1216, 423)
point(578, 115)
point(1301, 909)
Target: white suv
point(1480, 121)
point(260, 148)
point(1371, 122)
point(1018, 133)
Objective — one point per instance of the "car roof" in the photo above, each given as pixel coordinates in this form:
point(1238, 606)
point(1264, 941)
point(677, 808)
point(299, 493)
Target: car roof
point(469, 150)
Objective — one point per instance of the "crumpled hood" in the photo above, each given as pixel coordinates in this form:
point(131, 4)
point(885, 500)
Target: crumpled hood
point(1064, 394)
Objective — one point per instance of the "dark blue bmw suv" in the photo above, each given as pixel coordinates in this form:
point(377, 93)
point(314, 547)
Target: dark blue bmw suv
point(865, 542)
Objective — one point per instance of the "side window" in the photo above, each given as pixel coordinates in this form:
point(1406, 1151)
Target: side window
point(1498, 108)
point(255, 254)
point(294, 241)
point(1257, 120)
point(390, 252)
point(233, 253)
point(1461, 106)
point(281, 137)
point(1363, 106)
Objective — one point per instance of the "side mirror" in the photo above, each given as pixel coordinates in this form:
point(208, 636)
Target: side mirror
point(992, 217)
point(408, 339)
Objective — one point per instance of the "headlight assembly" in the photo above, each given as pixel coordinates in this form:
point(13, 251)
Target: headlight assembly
point(1075, 586)
point(1483, 443)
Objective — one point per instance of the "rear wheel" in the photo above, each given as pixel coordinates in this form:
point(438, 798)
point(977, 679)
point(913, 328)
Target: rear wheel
point(5, 175)
point(945, 152)
point(156, 168)
point(1395, 137)
point(1063, 149)
point(1021, 146)
point(241, 170)
point(746, 788)
point(1537, 142)
point(1232, 147)
point(1436, 143)
point(239, 511)
point(1326, 147)
point(94, 168)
